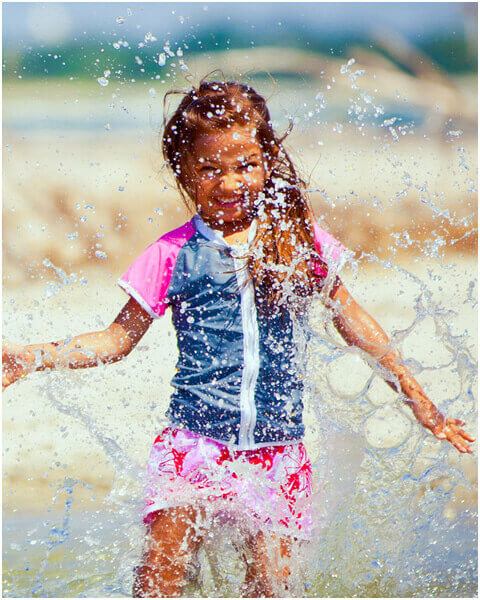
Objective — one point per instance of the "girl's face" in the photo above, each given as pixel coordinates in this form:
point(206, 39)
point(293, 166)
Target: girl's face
point(229, 171)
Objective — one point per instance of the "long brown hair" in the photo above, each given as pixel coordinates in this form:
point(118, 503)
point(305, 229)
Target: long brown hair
point(282, 254)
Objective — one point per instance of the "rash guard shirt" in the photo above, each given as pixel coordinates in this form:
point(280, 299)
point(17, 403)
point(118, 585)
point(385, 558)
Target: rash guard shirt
point(236, 380)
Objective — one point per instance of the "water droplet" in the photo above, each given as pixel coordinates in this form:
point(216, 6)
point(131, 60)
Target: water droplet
point(389, 122)
point(455, 133)
point(121, 188)
point(100, 254)
point(103, 81)
point(149, 37)
point(120, 20)
point(162, 59)
point(168, 49)
point(152, 92)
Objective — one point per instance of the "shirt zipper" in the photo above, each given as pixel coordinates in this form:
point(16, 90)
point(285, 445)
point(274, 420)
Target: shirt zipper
point(251, 357)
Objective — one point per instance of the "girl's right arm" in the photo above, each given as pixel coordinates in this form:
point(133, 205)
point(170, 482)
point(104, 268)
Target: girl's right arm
point(83, 351)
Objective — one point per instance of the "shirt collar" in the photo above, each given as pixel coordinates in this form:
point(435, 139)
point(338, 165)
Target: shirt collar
point(215, 236)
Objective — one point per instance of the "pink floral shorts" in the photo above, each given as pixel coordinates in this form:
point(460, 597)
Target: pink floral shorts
point(270, 484)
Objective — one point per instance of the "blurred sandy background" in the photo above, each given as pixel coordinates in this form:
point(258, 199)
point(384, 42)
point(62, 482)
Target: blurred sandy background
point(388, 145)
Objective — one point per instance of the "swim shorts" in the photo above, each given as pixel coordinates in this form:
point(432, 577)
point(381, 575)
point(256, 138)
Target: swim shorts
point(269, 486)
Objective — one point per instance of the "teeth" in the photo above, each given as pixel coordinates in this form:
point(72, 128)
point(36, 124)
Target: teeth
point(230, 201)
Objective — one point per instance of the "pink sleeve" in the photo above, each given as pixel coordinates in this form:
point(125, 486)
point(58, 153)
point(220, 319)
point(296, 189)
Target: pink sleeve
point(148, 278)
point(331, 251)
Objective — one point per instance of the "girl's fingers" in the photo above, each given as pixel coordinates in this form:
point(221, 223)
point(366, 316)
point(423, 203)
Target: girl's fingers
point(461, 432)
point(5, 382)
point(455, 425)
point(463, 448)
point(466, 435)
point(456, 440)
point(459, 438)
point(459, 442)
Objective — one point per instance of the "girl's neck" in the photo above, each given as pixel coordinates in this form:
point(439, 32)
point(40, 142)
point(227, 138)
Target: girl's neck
point(235, 232)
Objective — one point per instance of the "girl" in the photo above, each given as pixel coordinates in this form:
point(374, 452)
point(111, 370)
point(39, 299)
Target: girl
point(236, 277)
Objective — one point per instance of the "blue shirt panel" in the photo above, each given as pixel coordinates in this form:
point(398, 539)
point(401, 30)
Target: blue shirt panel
point(206, 308)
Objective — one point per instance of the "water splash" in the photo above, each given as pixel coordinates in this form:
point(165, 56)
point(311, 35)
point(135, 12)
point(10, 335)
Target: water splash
point(388, 519)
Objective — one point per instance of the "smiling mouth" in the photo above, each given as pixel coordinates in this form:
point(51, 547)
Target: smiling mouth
point(230, 201)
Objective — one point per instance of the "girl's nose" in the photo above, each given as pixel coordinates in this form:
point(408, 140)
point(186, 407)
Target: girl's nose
point(231, 181)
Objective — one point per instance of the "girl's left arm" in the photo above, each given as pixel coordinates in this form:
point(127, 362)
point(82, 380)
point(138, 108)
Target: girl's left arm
point(359, 329)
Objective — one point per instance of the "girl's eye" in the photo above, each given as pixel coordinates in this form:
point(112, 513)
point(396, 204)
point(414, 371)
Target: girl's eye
point(209, 170)
point(249, 166)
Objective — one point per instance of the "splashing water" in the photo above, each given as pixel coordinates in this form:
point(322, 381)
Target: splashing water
point(395, 509)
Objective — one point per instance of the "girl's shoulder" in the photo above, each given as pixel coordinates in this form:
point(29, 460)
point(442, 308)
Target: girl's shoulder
point(331, 250)
point(166, 247)
point(149, 277)
point(163, 251)
point(177, 237)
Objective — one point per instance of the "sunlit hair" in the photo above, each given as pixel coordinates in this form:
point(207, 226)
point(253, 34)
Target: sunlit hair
point(282, 254)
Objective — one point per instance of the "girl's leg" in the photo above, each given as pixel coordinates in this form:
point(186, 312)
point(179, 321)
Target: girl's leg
point(173, 538)
point(268, 568)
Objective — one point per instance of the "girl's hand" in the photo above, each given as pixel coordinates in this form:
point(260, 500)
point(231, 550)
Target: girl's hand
point(451, 430)
point(428, 415)
point(16, 363)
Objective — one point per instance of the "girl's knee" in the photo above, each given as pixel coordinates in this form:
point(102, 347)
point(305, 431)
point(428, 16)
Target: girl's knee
point(172, 540)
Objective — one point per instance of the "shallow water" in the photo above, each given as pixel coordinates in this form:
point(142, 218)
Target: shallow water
point(93, 555)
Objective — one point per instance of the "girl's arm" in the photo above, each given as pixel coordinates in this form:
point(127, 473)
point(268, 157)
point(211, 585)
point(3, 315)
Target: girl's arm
point(85, 350)
point(359, 329)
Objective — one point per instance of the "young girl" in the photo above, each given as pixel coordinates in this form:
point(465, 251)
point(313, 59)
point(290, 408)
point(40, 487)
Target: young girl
point(237, 277)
